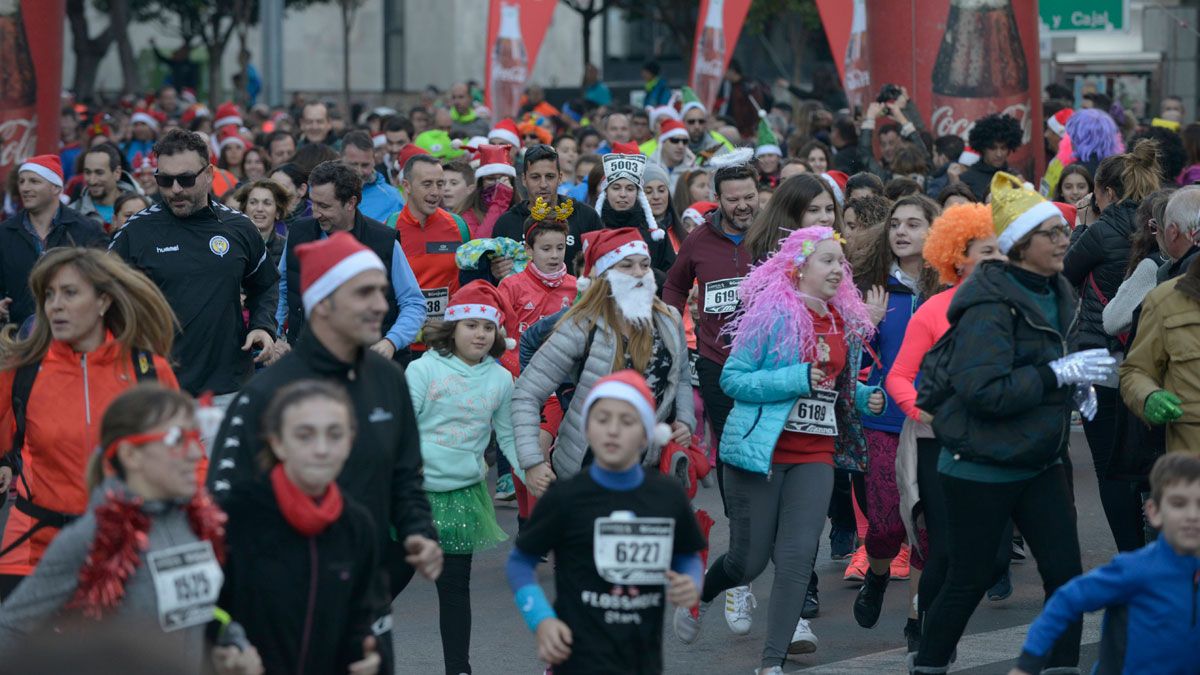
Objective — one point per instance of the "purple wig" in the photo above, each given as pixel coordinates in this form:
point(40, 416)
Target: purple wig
point(1094, 135)
point(773, 311)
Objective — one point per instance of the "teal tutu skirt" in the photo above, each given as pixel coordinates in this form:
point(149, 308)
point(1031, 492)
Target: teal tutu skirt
point(465, 519)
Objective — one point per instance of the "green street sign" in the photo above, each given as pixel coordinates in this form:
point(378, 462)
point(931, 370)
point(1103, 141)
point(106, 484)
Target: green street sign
point(1084, 16)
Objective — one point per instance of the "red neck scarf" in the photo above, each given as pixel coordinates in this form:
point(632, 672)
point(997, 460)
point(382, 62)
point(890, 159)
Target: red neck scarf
point(307, 516)
point(552, 280)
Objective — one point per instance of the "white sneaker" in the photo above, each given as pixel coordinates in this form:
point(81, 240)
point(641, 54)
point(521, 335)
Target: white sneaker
point(773, 670)
point(739, 602)
point(803, 639)
point(687, 627)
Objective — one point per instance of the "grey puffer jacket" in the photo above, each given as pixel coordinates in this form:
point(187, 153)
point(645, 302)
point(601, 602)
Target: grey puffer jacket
point(41, 598)
point(558, 360)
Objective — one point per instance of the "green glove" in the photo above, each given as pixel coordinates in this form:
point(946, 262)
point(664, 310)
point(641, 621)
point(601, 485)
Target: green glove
point(1162, 406)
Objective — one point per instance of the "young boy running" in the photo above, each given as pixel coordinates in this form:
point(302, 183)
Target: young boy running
point(1152, 594)
point(625, 542)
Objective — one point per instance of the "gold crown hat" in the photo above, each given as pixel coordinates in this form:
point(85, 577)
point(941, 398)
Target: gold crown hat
point(1017, 209)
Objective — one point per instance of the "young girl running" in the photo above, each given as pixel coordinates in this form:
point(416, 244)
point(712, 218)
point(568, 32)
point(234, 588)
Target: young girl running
point(792, 374)
point(619, 535)
point(543, 288)
point(891, 266)
point(460, 396)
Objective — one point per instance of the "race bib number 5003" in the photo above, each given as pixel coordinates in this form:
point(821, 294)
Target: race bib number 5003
point(630, 550)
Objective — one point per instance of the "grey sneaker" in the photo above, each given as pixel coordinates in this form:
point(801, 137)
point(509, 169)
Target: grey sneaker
point(687, 627)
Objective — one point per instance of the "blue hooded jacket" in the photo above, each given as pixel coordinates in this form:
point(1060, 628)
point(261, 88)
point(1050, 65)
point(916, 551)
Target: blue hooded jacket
point(1151, 626)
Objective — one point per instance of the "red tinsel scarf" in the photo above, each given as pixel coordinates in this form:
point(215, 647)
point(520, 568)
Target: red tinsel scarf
point(122, 537)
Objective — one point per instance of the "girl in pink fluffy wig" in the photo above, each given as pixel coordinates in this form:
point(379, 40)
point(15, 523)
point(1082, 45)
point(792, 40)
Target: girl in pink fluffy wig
point(791, 372)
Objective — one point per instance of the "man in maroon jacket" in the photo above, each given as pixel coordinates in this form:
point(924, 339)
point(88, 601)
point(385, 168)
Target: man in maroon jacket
point(714, 257)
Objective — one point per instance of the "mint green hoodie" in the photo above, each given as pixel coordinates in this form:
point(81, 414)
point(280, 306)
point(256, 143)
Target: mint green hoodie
point(458, 406)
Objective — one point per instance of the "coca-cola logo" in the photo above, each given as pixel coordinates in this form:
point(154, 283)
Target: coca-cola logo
point(513, 74)
point(857, 78)
point(714, 67)
point(946, 123)
point(17, 140)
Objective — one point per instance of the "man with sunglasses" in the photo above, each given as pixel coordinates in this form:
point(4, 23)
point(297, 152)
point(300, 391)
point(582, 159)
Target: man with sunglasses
point(204, 256)
point(701, 142)
point(672, 152)
point(541, 179)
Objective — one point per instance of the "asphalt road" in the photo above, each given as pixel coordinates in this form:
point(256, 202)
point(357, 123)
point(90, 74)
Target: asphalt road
point(501, 644)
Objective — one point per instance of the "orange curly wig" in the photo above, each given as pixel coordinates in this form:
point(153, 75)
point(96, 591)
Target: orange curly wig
point(951, 233)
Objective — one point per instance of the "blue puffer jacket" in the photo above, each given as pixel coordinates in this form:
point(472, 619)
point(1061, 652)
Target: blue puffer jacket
point(764, 387)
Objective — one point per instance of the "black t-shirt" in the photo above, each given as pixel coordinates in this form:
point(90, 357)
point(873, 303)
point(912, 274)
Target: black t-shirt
point(617, 628)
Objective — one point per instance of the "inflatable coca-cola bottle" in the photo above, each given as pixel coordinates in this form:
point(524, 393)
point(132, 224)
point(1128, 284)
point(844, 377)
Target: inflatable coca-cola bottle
point(857, 65)
point(981, 69)
point(510, 65)
point(709, 69)
point(18, 89)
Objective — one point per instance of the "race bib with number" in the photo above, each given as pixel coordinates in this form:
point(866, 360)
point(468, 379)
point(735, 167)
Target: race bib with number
point(436, 300)
point(814, 414)
point(628, 550)
point(721, 297)
point(187, 581)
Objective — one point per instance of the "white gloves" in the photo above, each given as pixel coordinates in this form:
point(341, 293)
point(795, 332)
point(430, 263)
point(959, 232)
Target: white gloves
point(1086, 367)
point(1085, 401)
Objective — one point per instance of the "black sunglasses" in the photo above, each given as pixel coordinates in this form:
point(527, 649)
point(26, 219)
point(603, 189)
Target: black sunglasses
point(677, 141)
point(186, 180)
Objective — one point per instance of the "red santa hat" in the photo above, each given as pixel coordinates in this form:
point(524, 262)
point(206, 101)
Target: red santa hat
point(663, 113)
point(1068, 211)
point(837, 181)
point(602, 249)
point(144, 163)
point(229, 135)
point(629, 148)
point(672, 128)
point(227, 113)
point(379, 140)
point(968, 156)
point(479, 300)
point(327, 264)
point(1058, 121)
point(493, 161)
point(505, 130)
point(149, 118)
point(697, 211)
point(47, 167)
point(629, 386)
point(192, 113)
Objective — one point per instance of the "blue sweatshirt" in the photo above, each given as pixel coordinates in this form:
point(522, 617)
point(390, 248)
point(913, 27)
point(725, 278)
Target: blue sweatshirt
point(379, 199)
point(1151, 626)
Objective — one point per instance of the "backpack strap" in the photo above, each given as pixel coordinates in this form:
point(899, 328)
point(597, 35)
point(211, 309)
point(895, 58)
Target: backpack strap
point(22, 387)
point(392, 221)
point(464, 232)
point(144, 369)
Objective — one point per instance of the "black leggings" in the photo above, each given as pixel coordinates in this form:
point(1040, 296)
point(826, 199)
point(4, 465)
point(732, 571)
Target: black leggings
point(977, 514)
point(841, 504)
point(454, 607)
point(717, 406)
point(1119, 498)
point(933, 507)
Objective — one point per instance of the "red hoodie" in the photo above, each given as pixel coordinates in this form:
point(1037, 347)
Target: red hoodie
point(710, 258)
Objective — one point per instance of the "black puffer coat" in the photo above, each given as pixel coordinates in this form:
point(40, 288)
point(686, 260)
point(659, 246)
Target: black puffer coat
point(1006, 408)
point(1097, 260)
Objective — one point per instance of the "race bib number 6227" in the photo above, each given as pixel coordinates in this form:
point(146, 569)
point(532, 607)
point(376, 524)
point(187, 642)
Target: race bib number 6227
point(629, 550)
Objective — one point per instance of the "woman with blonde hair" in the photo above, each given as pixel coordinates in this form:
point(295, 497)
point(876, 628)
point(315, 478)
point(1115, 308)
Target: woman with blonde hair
point(99, 328)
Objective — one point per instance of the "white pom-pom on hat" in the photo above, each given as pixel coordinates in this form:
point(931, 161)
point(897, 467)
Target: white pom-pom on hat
point(762, 113)
point(662, 433)
point(657, 234)
point(582, 283)
point(510, 344)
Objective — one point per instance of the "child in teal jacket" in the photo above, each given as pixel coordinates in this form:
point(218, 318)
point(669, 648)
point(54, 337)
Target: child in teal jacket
point(461, 395)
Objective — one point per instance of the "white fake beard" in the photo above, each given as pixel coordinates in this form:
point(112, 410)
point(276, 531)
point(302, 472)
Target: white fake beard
point(634, 295)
